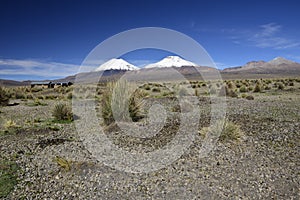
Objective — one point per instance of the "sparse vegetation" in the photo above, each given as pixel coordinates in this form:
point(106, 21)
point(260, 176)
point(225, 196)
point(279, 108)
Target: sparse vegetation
point(249, 97)
point(156, 90)
point(33, 136)
point(63, 163)
point(257, 88)
point(243, 89)
point(227, 131)
point(280, 86)
point(231, 132)
point(4, 97)
point(8, 177)
point(62, 112)
point(125, 105)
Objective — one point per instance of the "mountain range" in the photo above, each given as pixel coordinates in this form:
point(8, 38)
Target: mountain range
point(113, 68)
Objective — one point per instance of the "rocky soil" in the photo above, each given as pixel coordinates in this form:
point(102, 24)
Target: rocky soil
point(263, 165)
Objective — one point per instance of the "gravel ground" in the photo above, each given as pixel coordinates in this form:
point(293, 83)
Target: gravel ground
point(264, 165)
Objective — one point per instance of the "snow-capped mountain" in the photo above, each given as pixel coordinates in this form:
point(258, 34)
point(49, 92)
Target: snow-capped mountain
point(171, 61)
point(116, 64)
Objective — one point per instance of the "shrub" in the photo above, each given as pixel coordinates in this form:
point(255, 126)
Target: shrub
point(244, 95)
point(147, 87)
point(230, 85)
point(8, 177)
point(291, 83)
point(230, 132)
point(232, 93)
point(155, 90)
point(267, 87)
point(36, 89)
point(227, 92)
point(4, 98)
point(123, 106)
point(62, 112)
point(10, 124)
point(63, 163)
point(29, 96)
point(20, 95)
point(227, 131)
point(257, 88)
point(280, 86)
point(70, 95)
point(249, 97)
point(41, 97)
point(243, 89)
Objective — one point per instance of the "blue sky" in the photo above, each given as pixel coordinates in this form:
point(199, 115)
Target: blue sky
point(50, 38)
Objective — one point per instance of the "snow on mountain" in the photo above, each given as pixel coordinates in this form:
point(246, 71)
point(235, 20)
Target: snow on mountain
point(116, 64)
point(171, 61)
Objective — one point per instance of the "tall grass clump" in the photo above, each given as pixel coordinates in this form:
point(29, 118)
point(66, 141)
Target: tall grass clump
point(226, 131)
point(121, 102)
point(257, 88)
point(231, 132)
point(243, 89)
point(280, 86)
point(225, 91)
point(4, 97)
point(62, 112)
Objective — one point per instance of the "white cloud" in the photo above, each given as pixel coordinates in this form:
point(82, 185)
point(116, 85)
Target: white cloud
point(37, 68)
point(268, 30)
point(266, 36)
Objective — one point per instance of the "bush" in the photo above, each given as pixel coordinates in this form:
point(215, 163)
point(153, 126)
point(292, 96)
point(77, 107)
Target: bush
point(227, 131)
point(291, 83)
point(155, 90)
point(227, 92)
point(4, 98)
point(147, 87)
point(62, 112)
point(8, 177)
point(249, 97)
point(123, 106)
point(267, 87)
point(243, 89)
point(20, 95)
point(280, 86)
point(231, 85)
point(257, 88)
point(244, 95)
point(231, 132)
point(70, 95)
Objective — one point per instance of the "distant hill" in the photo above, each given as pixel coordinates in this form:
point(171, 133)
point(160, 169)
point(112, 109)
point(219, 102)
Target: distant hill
point(277, 66)
point(4, 82)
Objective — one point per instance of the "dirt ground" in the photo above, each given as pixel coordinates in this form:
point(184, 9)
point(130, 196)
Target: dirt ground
point(55, 164)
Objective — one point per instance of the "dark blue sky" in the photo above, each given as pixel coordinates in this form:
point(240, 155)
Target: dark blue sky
point(48, 38)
